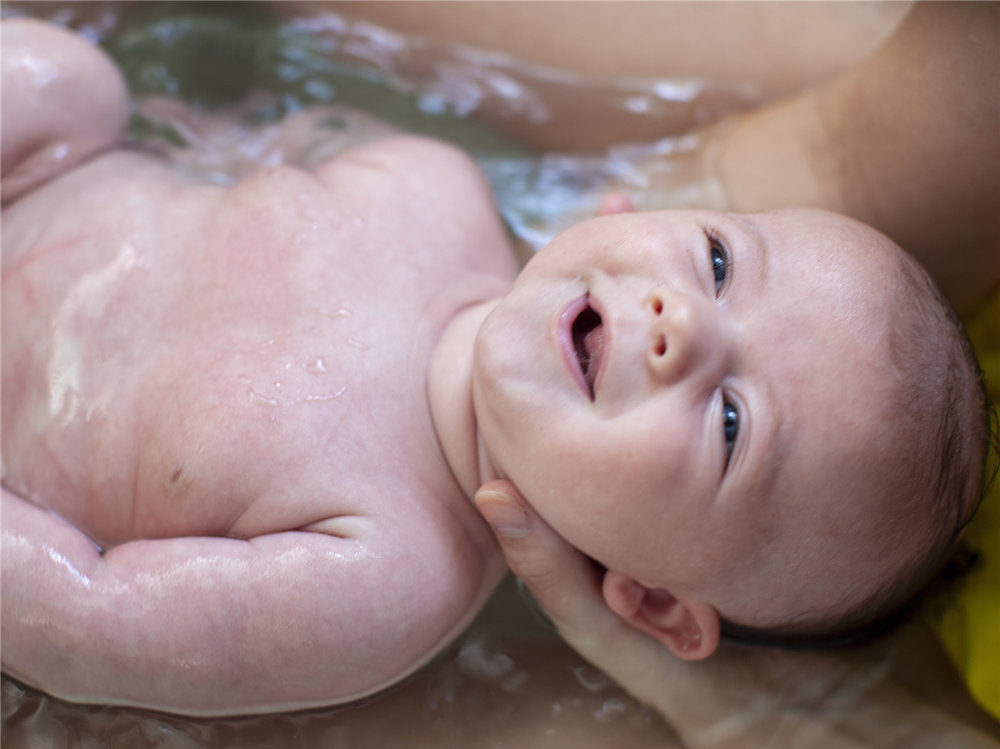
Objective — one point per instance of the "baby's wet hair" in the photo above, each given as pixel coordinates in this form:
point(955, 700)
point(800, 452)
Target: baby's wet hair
point(950, 474)
point(868, 623)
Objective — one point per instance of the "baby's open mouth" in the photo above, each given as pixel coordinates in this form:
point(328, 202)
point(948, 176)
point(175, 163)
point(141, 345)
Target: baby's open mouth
point(588, 341)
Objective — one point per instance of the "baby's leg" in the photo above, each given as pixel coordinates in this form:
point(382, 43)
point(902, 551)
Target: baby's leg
point(64, 101)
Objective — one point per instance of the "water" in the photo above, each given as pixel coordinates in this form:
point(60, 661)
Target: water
point(212, 80)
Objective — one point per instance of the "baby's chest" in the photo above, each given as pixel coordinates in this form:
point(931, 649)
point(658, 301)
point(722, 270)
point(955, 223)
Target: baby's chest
point(259, 460)
point(231, 398)
point(242, 431)
point(305, 399)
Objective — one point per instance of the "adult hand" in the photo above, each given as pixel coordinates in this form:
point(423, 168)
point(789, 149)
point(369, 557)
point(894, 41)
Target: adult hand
point(740, 696)
point(567, 585)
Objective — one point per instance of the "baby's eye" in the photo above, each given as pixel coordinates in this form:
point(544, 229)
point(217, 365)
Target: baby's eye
point(730, 427)
point(720, 261)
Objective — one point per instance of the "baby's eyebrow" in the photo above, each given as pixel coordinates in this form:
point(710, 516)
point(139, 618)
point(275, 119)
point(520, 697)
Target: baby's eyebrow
point(757, 240)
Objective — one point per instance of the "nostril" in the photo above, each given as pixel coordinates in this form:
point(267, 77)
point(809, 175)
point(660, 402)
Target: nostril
point(660, 345)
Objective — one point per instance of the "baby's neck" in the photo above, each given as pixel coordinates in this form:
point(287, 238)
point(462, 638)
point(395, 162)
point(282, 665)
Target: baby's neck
point(449, 389)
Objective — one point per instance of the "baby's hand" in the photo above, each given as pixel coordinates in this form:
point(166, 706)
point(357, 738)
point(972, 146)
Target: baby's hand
point(64, 101)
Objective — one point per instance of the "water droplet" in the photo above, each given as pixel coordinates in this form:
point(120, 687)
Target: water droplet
point(611, 709)
point(327, 396)
point(316, 366)
point(477, 659)
point(263, 400)
point(590, 678)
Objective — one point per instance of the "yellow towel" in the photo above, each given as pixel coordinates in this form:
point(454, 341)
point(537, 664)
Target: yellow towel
point(970, 627)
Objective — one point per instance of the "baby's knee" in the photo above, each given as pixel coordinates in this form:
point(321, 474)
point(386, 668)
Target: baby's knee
point(64, 100)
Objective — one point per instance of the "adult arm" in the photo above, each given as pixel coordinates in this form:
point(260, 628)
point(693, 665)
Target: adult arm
point(905, 141)
point(714, 42)
point(64, 101)
point(902, 137)
point(740, 696)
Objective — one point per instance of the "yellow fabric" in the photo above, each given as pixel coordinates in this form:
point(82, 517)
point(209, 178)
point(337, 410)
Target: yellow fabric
point(970, 628)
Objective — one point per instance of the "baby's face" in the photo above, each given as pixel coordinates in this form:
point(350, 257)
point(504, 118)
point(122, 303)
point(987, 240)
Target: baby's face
point(689, 398)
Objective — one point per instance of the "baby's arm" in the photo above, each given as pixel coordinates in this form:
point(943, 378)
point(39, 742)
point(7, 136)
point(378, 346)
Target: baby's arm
point(63, 101)
point(218, 625)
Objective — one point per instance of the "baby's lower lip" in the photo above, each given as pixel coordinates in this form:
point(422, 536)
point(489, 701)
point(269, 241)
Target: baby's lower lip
point(566, 319)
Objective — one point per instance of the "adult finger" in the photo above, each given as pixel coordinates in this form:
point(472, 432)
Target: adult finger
point(564, 582)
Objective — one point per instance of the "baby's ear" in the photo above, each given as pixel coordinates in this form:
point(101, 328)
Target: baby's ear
point(690, 628)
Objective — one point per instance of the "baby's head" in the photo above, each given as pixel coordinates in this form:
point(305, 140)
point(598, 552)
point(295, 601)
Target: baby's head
point(773, 420)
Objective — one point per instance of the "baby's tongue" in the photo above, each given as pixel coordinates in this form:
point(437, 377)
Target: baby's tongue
point(593, 344)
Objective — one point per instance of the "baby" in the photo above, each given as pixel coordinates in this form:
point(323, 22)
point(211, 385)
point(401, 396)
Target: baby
point(242, 426)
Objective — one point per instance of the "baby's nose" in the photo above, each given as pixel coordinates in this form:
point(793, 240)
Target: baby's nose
point(684, 334)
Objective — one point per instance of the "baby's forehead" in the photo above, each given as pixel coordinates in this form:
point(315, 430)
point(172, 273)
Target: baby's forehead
point(826, 237)
point(842, 276)
point(821, 336)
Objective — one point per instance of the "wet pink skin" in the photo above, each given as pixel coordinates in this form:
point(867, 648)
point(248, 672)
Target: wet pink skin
point(223, 487)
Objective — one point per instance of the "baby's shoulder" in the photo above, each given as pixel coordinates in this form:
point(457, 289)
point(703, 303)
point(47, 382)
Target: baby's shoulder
point(430, 193)
point(410, 160)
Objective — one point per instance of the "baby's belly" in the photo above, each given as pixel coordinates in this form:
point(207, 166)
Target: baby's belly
point(201, 448)
point(147, 428)
point(179, 364)
point(136, 420)
point(120, 461)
